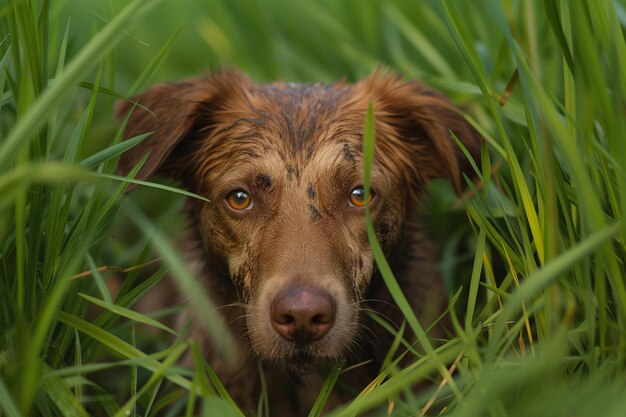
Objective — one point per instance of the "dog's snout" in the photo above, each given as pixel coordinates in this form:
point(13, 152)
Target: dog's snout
point(302, 314)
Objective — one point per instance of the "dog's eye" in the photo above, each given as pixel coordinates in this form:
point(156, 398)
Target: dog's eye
point(357, 197)
point(239, 200)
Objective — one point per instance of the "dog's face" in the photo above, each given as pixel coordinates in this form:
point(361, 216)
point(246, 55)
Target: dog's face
point(282, 165)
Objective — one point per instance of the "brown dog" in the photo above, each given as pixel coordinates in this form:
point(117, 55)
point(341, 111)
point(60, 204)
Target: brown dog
point(284, 236)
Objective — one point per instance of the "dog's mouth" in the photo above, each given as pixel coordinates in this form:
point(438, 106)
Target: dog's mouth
point(302, 360)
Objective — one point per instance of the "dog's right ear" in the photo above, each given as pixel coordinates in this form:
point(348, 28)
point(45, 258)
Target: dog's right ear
point(172, 112)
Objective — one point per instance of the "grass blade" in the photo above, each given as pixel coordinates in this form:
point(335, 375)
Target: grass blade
point(129, 314)
point(89, 56)
point(112, 151)
point(7, 405)
point(327, 388)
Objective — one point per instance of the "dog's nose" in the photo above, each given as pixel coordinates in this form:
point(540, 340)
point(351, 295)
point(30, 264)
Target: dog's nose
point(302, 314)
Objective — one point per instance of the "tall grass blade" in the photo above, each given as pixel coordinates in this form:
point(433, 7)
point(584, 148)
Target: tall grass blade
point(102, 43)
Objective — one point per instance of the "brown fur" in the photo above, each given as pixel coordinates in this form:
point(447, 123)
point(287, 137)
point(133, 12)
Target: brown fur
point(297, 150)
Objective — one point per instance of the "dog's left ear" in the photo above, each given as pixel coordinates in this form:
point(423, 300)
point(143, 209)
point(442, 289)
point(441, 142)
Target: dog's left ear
point(413, 127)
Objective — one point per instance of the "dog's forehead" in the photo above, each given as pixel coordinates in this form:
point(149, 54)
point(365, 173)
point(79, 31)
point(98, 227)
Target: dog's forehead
point(294, 95)
point(286, 130)
point(302, 114)
point(294, 120)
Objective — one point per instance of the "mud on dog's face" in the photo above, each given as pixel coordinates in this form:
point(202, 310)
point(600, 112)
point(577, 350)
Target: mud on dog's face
point(282, 167)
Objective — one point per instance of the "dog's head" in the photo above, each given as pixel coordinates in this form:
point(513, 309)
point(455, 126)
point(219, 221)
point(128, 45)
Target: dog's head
point(282, 165)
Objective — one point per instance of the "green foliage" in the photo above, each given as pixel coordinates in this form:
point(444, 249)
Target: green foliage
point(533, 252)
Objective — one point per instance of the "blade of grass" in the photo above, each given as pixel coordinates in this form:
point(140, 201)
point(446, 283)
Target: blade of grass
point(129, 298)
point(78, 361)
point(6, 401)
point(221, 390)
point(98, 279)
point(198, 360)
point(122, 348)
point(63, 397)
point(214, 325)
point(156, 376)
point(551, 272)
point(112, 151)
point(419, 41)
point(127, 180)
point(475, 281)
point(406, 378)
point(129, 314)
point(462, 39)
point(324, 394)
point(153, 66)
point(400, 299)
point(99, 46)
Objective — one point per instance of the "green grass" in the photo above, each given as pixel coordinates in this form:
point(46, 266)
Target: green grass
point(533, 255)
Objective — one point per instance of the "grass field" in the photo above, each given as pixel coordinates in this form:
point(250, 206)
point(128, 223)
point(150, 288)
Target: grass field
point(533, 255)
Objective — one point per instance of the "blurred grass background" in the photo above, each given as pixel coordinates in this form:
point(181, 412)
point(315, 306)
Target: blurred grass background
point(534, 255)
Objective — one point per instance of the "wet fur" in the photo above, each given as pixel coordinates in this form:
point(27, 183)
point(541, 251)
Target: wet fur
point(297, 149)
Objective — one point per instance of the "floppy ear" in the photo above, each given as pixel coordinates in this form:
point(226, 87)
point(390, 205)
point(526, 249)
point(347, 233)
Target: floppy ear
point(172, 111)
point(414, 124)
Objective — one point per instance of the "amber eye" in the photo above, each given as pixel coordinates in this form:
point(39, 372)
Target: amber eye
point(357, 197)
point(239, 200)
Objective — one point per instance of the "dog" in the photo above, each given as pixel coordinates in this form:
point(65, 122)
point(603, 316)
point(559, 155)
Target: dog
point(283, 240)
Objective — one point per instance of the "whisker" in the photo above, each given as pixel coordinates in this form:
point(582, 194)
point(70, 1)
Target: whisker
point(376, 300)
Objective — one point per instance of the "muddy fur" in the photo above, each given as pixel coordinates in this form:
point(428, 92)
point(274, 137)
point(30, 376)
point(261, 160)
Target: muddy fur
point(296, 150)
